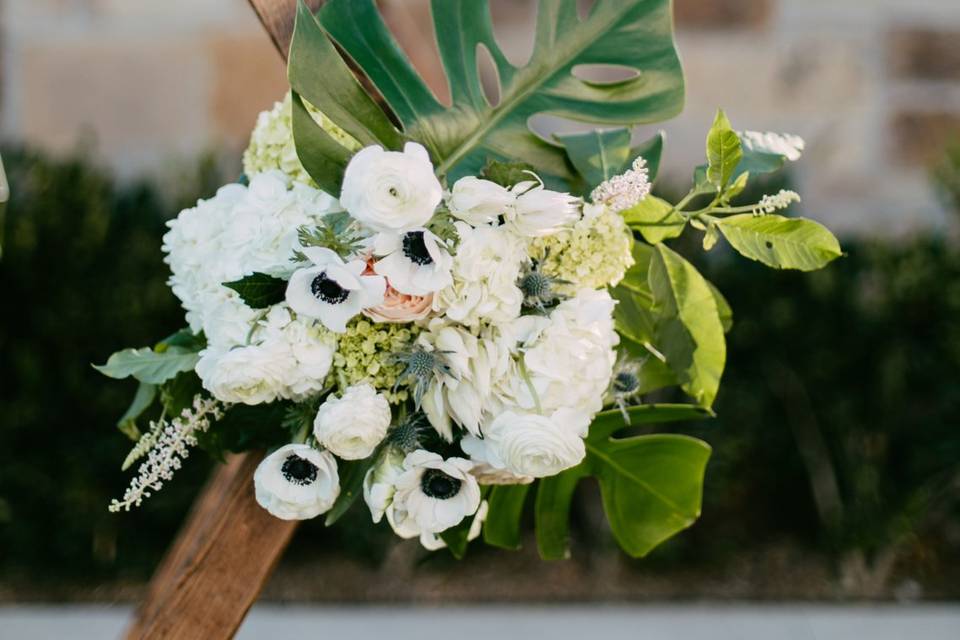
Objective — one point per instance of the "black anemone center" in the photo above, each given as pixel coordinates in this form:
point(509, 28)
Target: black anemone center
point(326, 289)
point(437, 484)
point(298, 470)
point(625, 382)
point(415, 248)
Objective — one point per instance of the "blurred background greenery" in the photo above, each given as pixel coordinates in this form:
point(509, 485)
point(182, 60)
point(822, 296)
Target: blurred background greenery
point(835, 471)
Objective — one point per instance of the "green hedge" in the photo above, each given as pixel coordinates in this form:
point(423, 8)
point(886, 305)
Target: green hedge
point(844, 379)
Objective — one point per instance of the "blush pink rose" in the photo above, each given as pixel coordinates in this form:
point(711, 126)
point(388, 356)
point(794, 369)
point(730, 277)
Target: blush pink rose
point(397, 307)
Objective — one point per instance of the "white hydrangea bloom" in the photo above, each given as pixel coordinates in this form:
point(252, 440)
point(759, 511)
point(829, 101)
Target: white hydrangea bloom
point(237, 232)
point(785, 144)
point(568, 358)
point(485, 273)
point(297, 482)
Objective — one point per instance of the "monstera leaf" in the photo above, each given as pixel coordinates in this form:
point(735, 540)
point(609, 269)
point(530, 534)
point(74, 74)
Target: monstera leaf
point(633, 34)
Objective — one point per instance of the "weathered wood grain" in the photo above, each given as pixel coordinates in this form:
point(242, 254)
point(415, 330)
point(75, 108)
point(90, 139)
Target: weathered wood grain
point(215, 570)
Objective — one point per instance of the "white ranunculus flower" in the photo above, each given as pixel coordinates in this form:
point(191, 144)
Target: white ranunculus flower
point(333, 291)
point(541, 212)
point(391, 190)
point(297, 482)
point(431, 495)
point(528, 444)
point(785, 144)
point(485, 273)
point(352, 425)
point(250, 375)
point(479, 201)
point(568, 357)
point(413, 262)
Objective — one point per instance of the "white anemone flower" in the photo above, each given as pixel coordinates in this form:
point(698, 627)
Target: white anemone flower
point(297, 482)
point(333, 291)
point(433, 542)
point(391, 190)
point(431, 495)
point(414, 262)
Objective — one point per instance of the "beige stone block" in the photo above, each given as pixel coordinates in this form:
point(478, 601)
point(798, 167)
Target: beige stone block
point(248, 76)
point(137, 98)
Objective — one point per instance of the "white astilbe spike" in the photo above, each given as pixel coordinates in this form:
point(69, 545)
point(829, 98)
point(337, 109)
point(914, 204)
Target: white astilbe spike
point(626, 189)
point(170, 447)
point(781, 200)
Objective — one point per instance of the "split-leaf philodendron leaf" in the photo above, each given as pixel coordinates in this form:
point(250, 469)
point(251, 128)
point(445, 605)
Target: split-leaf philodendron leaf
point(636, 34)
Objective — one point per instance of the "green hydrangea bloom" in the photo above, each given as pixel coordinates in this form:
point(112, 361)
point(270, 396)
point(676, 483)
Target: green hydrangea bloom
point(363, 355)
point(595, 253)
point(271, 143)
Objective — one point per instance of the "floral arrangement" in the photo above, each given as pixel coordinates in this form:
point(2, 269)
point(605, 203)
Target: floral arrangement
point(432, 310)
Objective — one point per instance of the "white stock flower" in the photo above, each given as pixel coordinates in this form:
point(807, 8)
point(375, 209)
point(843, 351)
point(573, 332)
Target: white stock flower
point(485, 273)
point(540, 212)
point(391, 190)
point(431, 495)
point(784, 144)
point(333, 291)
point(297, 482)
point(780, 200)
point(567, 358)
point(414, 262)
point(624, 190)
point(352, 425)
point(479, 201)
point(528, 444)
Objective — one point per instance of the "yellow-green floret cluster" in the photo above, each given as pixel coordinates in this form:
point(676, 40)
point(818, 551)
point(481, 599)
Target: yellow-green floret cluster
point(364, 355)
point(595, 253)
point(271, 143)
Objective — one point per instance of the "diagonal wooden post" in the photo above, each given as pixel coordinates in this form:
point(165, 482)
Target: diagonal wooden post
point(229, 546)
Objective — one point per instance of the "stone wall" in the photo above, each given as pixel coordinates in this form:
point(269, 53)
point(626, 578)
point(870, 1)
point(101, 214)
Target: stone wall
point(873, 85)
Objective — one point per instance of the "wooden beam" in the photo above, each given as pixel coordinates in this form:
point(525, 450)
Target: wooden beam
point(219, 563)
point(277, 18)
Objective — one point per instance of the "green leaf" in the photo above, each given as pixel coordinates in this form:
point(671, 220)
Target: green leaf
point(244, 427)
point(723, 151)
point(552, 512)
point(688, 331)
point(259, 291)
point(502, 528)
point(781, 243)
point(146, 365)
point(185, 338)
point(655, 219)
point(651, 150)
point(736, 187)
point(142, 399)
point(506, 174)
point(651, 486)
point(633, 315)
point(321, 155)
point(351, 473)
point(637, 34)
point(723, 308)
point(318, 74)
point(607, 423)
point(177, 393)
point(597, 155)
point(758, 162)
